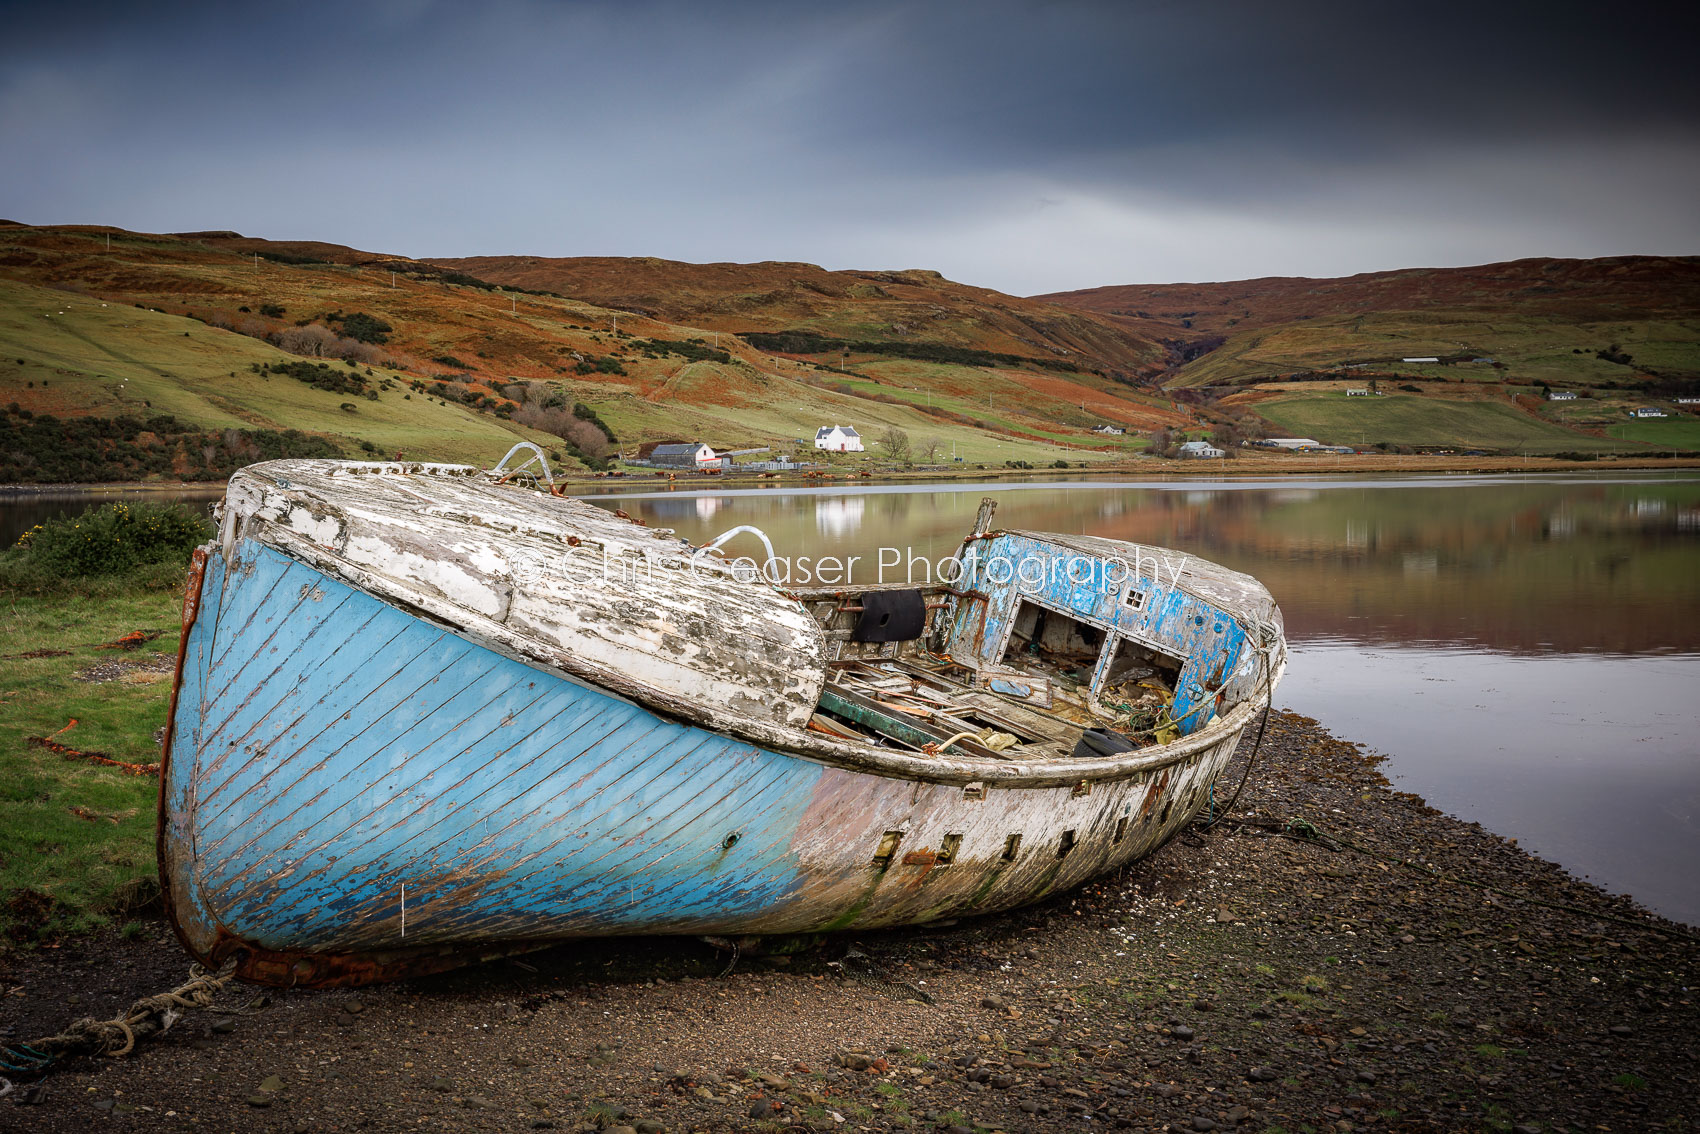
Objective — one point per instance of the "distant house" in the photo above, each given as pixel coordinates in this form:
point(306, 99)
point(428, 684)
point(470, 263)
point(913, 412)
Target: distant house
point(1561, 395)
point(1110, 430)
point(1423, 359)
point(838, 439)
point(1688, 401)
point(690, 455)
point(1647, 411)
point(1199, 451)
point(1293, 443)
point(1357, 391)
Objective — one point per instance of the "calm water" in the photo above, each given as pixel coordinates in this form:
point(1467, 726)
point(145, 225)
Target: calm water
point(1525, 651)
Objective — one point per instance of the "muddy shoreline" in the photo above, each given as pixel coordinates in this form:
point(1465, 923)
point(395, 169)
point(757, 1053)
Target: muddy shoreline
point(1395, 974)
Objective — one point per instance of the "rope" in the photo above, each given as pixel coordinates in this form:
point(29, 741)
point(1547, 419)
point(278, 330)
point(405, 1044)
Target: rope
point(1270, 636)
point(859, 966)
point(150, 1015)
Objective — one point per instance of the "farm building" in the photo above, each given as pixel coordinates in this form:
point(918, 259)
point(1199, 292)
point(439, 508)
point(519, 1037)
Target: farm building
point(838, 439)
point(692, 455)
point(1561, 395)
point(1647, 411)
point(1199, 451)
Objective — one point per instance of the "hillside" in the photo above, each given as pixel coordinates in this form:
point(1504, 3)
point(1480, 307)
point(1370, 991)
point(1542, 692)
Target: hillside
point(1539, 319)
point(1580, 291)
point(898, 307)
point(373, 353)
point(1618, 333)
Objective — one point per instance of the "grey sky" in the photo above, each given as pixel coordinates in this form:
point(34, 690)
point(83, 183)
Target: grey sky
point(1028, 146)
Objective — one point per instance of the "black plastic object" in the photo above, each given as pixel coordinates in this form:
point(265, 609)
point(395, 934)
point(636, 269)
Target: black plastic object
point(1100, 742)
point(891, 616)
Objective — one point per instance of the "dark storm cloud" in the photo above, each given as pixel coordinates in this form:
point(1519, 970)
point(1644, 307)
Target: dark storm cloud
point(1027, 146)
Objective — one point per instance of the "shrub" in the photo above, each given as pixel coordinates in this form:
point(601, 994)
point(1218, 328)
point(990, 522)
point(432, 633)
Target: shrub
point(585, 413)
point(116, 539)
point(363, 328)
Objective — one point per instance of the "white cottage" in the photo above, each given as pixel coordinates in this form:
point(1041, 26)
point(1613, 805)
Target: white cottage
point(1199, 451)
point(838, 439)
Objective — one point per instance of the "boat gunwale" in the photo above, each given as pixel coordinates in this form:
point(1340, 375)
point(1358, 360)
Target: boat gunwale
point(816, 747)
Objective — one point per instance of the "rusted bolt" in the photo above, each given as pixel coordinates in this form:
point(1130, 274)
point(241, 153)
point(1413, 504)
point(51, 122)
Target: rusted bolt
point(729, 841)
point(573, 541)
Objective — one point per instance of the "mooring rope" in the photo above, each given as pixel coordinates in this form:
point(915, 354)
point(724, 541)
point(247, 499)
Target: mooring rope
point(151, 1015)
point(860, 967)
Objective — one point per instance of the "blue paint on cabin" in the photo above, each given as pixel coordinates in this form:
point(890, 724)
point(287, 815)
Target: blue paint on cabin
point(337, 748)
point(1138, 601)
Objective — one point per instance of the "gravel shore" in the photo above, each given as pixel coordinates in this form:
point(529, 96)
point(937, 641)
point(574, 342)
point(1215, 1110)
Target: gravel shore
point(1244, 977)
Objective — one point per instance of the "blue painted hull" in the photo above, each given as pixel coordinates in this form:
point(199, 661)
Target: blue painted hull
point(353, 792)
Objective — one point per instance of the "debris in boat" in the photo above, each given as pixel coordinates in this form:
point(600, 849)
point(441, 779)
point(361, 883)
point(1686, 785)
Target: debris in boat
point(69, 753)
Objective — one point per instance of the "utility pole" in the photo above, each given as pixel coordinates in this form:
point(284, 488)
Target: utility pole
point(616, 323)
point(392, 279)
point(513, 304)
point(256, 261)
point(109, 242)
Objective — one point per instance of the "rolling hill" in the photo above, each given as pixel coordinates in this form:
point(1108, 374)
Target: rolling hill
point(1469, 353)
point(898, 307)
point(212, 329)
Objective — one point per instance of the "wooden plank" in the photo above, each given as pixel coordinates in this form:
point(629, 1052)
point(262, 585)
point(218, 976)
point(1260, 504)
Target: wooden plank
point(898, 726)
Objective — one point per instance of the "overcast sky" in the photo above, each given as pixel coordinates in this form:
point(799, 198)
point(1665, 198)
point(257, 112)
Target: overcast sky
point(1018, 144)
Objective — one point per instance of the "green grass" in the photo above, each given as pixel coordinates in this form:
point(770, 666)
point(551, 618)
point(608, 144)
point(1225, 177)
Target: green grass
point(1531, 347)
point(775, 410)
point(111, 359)
point(1660, 432)
point(1424, 422)
point(62, 871)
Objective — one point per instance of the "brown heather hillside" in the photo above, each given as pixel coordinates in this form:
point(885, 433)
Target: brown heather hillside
point(1616, 333)
point(902, 306)
point(1581, 291)
point(214, 329)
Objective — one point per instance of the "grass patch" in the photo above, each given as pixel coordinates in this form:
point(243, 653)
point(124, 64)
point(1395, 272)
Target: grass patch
point(1660, 432)
point(1422, 422)
point(76, 838)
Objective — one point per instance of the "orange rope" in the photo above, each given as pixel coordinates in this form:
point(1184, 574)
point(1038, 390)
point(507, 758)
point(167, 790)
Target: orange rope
point(70, 753)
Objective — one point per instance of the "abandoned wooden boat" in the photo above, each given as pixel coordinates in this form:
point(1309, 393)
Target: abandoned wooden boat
point(423, 717)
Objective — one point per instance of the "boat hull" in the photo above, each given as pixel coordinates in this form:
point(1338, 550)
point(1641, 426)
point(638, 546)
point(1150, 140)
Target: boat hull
point(354, 792)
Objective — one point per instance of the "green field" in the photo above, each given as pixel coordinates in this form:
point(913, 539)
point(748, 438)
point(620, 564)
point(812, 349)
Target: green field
point(109, 359)
point(1422, 422)
point(76, 838)
point(71, 354)
point(1531, 348)
point(1661, 433)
